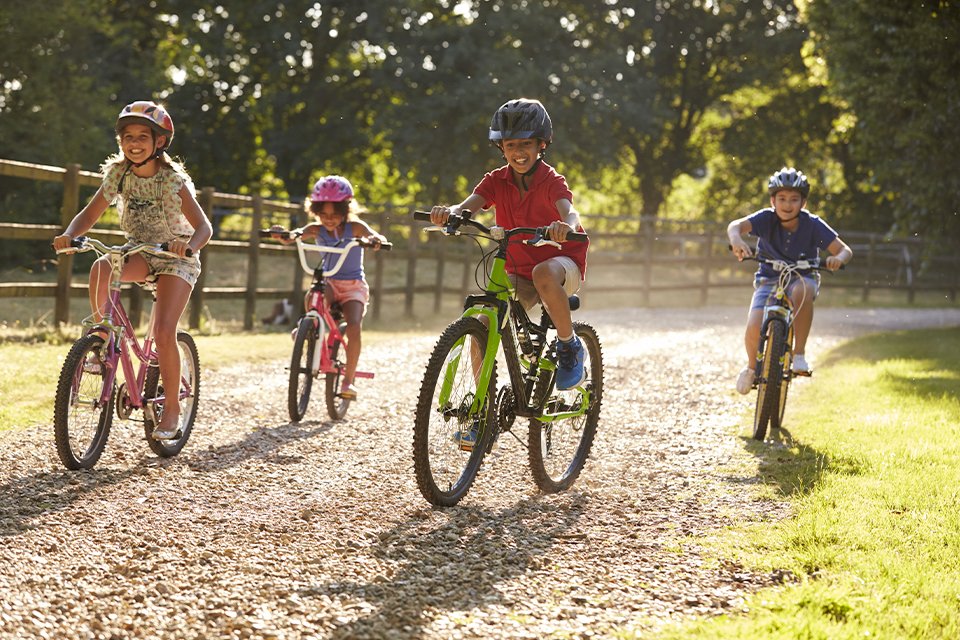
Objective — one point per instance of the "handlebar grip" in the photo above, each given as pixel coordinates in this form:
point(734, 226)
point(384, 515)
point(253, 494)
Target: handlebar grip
point(386, 246)
point(421, 215)
point(164, 247)
point(577, 236)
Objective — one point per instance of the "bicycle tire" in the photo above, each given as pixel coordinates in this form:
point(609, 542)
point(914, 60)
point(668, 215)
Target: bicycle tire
point(558, 450)
point(336, 405)
point(190, 370)
point(776, 418)
point(444, 470)
point(81, 435)
point(301, 374)
point(771, 375)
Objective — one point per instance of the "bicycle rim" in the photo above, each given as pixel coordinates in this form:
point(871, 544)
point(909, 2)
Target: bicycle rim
point(447, 409)
point(81, 422)
point(188, 397)
point(301, 373)
point(558, 450)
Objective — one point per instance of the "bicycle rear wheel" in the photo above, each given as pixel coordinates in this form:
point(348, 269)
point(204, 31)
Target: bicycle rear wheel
point(301, 373)
point(446, 465)
point(771, 377)
point(336, 404)
point(559, 449)
point(188, 397)
point(81, 422)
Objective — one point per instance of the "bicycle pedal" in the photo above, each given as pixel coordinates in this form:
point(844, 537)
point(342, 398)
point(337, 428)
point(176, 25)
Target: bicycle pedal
point(803, 374)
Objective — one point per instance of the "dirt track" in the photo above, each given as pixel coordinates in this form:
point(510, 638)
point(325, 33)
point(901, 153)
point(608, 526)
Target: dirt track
point(263, 529)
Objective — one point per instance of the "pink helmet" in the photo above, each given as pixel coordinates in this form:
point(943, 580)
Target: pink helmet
point(332, 189)
point(149, 113)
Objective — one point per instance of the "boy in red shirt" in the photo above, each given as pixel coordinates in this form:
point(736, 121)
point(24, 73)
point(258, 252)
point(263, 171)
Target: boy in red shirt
point(527, 192)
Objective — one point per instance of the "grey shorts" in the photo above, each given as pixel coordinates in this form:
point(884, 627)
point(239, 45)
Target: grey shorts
point(527, 293)
point(765, 288)
point(187, 269)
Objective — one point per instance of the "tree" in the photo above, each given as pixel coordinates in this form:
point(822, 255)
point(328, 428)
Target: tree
point(895, 64)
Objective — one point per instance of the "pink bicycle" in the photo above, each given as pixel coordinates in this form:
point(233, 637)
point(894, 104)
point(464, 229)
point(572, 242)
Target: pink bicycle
point(87, 391)
point(322, 325)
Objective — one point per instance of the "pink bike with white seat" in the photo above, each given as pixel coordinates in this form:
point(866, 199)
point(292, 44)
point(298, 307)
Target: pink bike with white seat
point(320, 337)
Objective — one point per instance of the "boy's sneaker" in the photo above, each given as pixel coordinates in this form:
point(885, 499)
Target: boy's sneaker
point(745, 380)
point(800, 366)
point(570, 371)
point(467, 439)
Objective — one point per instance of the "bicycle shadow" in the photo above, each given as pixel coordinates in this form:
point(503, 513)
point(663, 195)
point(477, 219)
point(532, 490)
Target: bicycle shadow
point(792, 467)
point(263, 443)
point(32, 496)
point(456, 565)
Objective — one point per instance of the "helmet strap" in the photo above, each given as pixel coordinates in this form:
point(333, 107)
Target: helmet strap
point(530, 171)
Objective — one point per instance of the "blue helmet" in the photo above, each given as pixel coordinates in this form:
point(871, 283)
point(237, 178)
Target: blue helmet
point(788, 178)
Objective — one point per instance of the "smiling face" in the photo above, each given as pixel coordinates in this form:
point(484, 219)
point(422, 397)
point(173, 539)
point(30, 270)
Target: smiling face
point(328, 215)
point(521, 153)
point(787, 204)
point(138, 142)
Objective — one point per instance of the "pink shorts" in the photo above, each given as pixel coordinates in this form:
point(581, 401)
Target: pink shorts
point(346, 290)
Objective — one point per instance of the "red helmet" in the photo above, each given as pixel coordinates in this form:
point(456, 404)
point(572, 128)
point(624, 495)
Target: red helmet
point(149, 113)
point(332, 189)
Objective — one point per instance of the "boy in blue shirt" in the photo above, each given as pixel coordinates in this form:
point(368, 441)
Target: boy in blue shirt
point(785, 231)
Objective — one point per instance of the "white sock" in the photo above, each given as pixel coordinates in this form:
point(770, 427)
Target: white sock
point(567, 339)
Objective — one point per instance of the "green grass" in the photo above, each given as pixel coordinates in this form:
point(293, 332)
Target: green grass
point(872, 471)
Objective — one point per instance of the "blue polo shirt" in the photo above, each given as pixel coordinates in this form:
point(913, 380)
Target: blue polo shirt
point(811, 236)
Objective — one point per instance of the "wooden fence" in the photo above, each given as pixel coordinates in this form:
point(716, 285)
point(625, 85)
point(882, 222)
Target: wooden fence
point(661, 255)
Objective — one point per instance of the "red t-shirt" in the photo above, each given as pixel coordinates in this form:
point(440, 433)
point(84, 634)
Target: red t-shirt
point(537, 209)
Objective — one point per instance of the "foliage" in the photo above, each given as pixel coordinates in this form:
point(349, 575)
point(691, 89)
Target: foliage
point(895, 64)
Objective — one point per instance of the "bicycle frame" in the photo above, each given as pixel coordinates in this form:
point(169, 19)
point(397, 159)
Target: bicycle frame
point(121, 338)
point(499, 305)
point(318, 310)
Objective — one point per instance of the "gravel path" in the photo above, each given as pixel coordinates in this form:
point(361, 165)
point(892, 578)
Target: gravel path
point(264, 529)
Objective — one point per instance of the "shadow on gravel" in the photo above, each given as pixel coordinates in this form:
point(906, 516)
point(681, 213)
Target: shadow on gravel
point(44, 492)
point(264, 443)
point(453, 560)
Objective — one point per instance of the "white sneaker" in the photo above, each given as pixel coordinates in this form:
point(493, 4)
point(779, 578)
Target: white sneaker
point(745, 380)
point(800, 366)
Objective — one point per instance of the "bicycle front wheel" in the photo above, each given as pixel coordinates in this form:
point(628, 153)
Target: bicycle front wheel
point(188, 397)
point(558, 449)
point(81, 421)
point(771, 377)
point(452, 427)
point(301, 372)
point(776, 418)
point(336, 404)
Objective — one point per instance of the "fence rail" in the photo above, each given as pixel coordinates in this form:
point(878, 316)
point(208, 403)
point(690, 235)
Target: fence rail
point(661, 255)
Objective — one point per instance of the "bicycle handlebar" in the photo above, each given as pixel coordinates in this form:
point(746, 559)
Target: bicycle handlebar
point(454, 221)
point(80, 244)
point(295, 234)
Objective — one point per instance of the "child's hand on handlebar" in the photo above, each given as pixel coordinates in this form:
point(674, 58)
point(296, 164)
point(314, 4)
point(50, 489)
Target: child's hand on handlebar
point(833, 263)
point(440, 213)
point(740, 249)
point(62, 241)
point(178, 246)
point(558, 230)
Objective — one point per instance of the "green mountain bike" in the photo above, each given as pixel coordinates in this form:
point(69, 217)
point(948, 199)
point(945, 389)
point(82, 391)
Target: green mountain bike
point(460, 411)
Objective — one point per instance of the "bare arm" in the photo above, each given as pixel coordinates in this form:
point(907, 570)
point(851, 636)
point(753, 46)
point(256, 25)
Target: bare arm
point(735, 230)
point(440, 213)
point(569, 221)
point(362, 229)
point(840, 254)
point(83, 221)
point(202, 231)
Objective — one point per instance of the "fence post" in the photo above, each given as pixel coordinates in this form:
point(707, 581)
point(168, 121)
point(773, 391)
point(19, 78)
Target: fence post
point(253, 263)
point(869, 277)
point(297, 302)
point(377, 293)
point(71, 204)
point(196, 298)
point(705, 282)
point(412, 243)
point(649, 229)
point(911, 290)
point(441, 258)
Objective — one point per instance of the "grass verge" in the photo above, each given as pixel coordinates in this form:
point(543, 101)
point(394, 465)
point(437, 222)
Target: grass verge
point(872, 472)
